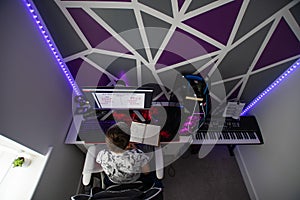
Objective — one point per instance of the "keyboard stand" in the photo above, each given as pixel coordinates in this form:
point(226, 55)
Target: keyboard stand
point(231, 148)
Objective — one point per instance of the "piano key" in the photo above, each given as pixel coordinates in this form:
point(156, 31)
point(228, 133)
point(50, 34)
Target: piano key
point(232, 135)
point(220, 136)
point(239, 136)
point(200, 135)
point(245, 135)
point(250, 135)
point(226, 136)
point(213, 135)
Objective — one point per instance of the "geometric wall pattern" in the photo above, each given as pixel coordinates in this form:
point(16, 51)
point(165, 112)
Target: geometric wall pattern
point(247, 43)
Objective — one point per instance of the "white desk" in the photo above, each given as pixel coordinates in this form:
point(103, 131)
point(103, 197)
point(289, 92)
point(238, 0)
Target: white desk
point(90, 164)
point(165, 154)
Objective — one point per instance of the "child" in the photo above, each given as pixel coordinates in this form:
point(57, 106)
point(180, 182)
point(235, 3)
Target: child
point(122, 162)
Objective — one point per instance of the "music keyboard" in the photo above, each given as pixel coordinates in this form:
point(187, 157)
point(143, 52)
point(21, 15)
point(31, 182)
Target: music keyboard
point(236, 137)
point(242, 131)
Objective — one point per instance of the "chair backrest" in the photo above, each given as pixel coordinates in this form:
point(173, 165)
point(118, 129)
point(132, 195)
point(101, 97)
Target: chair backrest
point(130, 191)
point(129, 194)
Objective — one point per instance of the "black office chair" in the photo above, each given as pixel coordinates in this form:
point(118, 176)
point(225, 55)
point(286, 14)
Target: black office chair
point(95, 188)
point(129, 191)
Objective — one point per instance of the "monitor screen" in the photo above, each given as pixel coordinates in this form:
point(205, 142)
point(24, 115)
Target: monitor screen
point(107, 97)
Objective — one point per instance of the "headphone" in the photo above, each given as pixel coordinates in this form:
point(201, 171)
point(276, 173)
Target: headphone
point(81, 100)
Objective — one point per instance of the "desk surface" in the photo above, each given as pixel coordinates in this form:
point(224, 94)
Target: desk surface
point(92, 129)
point(170, 117)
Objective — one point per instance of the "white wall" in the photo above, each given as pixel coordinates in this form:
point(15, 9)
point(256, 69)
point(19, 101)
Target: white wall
point(273, 168)
point(35, 101)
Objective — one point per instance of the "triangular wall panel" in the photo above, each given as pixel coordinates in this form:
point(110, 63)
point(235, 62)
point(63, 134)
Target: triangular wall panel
point(286, 43)
point(102, 40)
point(218, 22)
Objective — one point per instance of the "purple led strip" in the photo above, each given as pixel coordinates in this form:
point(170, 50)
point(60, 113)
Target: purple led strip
point(272, 86)
point(42, 28)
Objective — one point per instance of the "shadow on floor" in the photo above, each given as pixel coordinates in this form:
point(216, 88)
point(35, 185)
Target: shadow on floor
point(216, 176)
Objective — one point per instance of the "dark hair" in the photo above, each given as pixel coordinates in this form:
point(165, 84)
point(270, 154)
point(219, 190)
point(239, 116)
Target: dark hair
point(118, 136)
point(120, 82)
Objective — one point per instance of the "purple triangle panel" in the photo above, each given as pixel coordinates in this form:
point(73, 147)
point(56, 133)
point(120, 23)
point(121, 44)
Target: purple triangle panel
point(74, 66)
point(180, 3)
point(217, 23)
point(104, 80)
point(80, 70)
point(183, 46)
point(97, 36)
point(283, 44)
point(168, 58)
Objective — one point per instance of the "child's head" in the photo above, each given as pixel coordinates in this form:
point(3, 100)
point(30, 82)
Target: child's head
point(117, 137)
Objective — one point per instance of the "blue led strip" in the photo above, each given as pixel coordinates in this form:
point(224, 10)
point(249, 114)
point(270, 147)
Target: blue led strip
point(42, 28)
point(289, 71)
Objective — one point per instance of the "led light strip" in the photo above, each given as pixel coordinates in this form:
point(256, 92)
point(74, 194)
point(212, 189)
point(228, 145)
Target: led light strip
point(42, 28)
point(272, 86)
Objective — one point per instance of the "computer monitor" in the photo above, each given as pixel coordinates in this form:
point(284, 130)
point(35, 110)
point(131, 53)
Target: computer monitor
point(108, 97)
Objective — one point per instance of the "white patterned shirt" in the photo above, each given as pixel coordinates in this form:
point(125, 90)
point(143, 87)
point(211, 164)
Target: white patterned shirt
point(122, 167)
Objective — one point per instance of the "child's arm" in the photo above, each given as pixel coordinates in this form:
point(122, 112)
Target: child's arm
point(146, 169)
point(130, 146)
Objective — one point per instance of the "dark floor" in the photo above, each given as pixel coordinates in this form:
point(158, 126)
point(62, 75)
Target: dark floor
point(214, 177)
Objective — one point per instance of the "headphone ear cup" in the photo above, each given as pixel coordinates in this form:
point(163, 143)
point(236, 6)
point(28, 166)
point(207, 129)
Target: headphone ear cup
point(80, 100)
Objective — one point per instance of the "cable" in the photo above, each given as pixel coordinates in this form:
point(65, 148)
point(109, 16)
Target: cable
point(191, 117)
point(201, 121)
